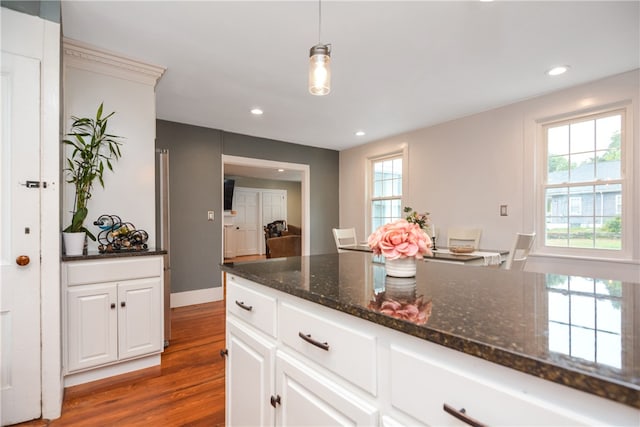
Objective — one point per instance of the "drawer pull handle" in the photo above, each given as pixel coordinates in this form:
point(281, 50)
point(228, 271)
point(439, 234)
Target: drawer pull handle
point(462, 416)
point(307, 338)
point(224, 353)
point(242, 305)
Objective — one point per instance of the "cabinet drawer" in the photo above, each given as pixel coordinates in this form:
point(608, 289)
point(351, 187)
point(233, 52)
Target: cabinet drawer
point(252, 306)
point(485, 401)
point(349, 353)
point(113, 270)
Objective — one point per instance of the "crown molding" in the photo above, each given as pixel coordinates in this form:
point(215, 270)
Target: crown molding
point(90, 58)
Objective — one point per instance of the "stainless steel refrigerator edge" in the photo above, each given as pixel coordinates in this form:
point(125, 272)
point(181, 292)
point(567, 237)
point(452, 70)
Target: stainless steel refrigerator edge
point(163, 229)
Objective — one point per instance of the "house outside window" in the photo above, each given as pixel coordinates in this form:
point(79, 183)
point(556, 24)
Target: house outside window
point(386, 190)
point(583, 182)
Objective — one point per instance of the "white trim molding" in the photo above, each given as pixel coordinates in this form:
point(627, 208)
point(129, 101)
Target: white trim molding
point(199, 296)
point(90, 58)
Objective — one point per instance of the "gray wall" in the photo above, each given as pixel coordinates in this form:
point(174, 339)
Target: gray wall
point(49, 10)
point(196, 186)
point(294, 200)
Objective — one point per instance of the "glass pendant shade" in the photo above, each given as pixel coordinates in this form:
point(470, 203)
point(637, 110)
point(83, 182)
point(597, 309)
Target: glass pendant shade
point(320, 69)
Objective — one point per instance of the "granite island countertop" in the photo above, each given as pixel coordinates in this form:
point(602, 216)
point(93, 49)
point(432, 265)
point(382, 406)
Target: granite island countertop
point(577, 331)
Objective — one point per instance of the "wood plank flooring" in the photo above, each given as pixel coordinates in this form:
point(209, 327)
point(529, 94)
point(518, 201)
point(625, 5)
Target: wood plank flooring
point(186, 390)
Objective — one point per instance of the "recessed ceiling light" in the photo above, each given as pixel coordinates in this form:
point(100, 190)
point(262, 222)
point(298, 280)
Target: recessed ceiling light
point(280, 170)
point(556, 71)
point(257, 111)
point(360, 133)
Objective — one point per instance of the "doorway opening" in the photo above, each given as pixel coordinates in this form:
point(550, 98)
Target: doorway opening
point(274, 170)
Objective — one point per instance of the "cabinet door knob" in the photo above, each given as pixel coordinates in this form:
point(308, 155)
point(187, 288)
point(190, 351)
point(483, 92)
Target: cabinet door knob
point(113, 305)
point(22, 260)
point(462, 416)
point(224, 352)
point(275, 400)
point(123, 304)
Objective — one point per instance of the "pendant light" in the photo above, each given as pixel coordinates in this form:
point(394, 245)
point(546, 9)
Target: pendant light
point(320, 63)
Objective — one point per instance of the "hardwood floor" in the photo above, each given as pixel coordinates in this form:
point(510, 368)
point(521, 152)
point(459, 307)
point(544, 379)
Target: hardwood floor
point(186, 390)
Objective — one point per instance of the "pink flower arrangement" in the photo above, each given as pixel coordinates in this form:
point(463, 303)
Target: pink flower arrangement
point(400, 239)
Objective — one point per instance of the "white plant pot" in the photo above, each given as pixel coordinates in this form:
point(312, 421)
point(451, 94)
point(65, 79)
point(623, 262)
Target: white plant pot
point(400, 267)
point(74, 243)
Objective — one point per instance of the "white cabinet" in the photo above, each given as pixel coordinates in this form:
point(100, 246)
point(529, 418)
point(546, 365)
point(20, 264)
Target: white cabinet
point(269, 383)
point(332, 368)
point(112, 321)
point(229, 241)
point(113, 313)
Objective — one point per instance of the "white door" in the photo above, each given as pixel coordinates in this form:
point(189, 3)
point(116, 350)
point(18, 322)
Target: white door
point(19, 239)
point(246, 202)
point(274, 205)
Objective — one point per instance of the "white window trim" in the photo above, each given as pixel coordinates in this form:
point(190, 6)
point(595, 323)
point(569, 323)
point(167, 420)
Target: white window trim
point(626, 253)
point(369, 181)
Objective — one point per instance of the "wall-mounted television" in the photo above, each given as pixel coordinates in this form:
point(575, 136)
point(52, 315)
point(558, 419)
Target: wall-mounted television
point(228, 193)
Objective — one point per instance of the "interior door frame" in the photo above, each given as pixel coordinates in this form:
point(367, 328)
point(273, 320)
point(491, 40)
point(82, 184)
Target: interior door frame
point(39, 38)
point(304, 190)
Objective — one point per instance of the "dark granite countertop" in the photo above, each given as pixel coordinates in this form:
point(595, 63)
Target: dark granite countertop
point(577, 331)
point(120, 254)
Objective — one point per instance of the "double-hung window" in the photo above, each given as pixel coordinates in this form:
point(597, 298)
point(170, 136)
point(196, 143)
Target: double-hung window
point(386, 190)
point(584, 184)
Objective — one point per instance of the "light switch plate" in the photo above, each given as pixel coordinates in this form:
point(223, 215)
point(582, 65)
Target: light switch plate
point(503, 210)
point(210, 216)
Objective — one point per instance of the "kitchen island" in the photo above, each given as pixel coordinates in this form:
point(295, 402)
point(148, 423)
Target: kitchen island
point(566, 346)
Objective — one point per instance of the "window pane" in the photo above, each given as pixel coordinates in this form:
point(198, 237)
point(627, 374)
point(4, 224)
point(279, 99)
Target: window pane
point(582, 167)
point(583, 311)
point(609, 349)
point(607, 169)
point(559, 338)
point(558, 169)
point(582, 137)
point(558, 140)
point(583, 343)
point(608, 134)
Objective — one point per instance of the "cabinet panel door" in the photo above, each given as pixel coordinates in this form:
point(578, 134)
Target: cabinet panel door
point(309, 398)
point(92, 326)
point(249, 377)
point(140, 320)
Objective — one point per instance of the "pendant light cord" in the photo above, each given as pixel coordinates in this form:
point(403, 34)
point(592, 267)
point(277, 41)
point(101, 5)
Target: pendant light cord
point(319, 20)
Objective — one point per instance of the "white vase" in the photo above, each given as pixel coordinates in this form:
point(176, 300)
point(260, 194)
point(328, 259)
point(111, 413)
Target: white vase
point(400, 267)
point(74, 243)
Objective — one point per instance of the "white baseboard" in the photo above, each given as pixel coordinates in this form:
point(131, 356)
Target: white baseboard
point(111, 370)
point(200, 296)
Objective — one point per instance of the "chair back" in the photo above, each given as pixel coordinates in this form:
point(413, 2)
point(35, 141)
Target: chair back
point(344, 237)
point(517, 257)
point(462, 236)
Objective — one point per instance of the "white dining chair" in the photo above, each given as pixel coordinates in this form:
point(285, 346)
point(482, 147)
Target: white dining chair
point(517, 257)
point(344, 237)
point(462, 236)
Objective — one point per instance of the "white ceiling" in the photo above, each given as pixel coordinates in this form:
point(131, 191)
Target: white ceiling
point(397, 66)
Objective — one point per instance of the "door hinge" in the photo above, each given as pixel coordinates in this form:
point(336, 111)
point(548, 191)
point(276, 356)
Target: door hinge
point(35, 184)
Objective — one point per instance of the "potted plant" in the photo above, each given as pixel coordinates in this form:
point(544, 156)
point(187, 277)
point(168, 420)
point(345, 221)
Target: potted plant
point(93, 148)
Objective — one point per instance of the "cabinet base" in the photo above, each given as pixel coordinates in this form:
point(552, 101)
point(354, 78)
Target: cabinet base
point(111, 370)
